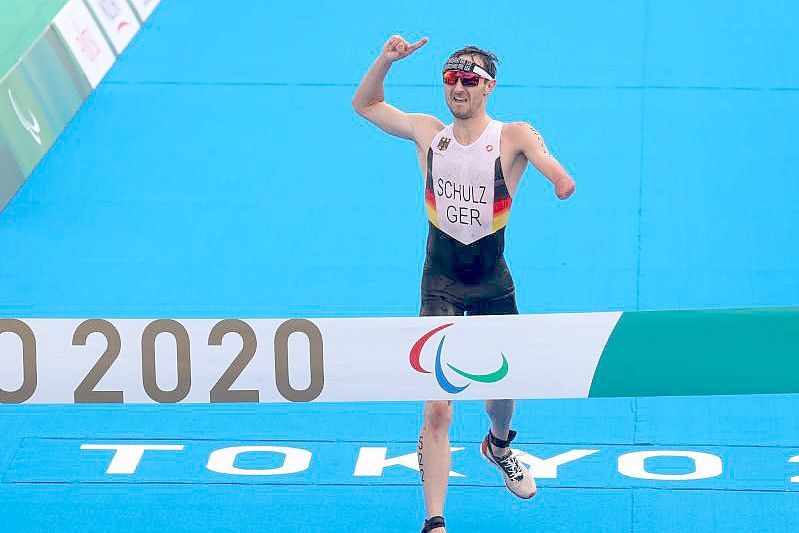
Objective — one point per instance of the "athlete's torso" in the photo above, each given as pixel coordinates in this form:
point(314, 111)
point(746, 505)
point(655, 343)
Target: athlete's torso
point(468, 203)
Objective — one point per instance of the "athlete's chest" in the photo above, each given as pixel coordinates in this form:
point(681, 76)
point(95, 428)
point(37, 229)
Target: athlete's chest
point(466, 195)
point(479, 163)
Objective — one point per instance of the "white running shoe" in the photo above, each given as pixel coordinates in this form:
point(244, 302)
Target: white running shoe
point(517, 478)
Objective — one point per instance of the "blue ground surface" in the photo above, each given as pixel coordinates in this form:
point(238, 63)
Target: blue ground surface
point(220, 172)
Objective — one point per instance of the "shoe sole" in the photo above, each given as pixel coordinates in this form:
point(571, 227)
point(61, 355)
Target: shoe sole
point(484, 451)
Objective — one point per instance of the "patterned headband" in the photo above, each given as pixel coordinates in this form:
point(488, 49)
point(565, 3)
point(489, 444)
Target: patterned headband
point(458, 63)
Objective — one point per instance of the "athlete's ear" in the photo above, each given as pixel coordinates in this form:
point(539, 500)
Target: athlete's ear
point(489, 86)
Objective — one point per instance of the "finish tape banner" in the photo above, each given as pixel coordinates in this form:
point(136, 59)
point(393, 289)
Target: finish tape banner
point(575, 355)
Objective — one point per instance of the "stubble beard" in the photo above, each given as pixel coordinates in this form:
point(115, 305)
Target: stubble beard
point(461, 115)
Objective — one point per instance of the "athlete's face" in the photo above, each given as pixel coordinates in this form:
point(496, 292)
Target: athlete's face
point(466, 102)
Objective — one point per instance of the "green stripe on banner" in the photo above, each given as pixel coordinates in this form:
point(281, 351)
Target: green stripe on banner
point(688, 353)
point(11, 176)
point(21, 23)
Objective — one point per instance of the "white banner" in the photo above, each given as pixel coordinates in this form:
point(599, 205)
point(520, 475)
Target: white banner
point(272, 360)
point(117, 19)
point(85, 39)
point(145, 7)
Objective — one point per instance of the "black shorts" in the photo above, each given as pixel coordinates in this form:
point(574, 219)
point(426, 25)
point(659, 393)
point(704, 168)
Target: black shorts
point(445, 294)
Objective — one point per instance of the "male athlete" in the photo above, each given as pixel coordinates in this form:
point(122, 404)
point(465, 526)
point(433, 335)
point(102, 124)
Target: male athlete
point(472, 168)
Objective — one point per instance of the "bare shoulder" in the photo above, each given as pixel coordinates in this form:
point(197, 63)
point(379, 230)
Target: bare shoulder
point(425, 127)
point(518, 130)
point(516, 135)
point(523, 136)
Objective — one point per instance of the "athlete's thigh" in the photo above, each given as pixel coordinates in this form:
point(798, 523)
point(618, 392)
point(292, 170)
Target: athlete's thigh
point(440, 295)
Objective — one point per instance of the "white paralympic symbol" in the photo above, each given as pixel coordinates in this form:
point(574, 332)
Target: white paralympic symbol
point(32, 126)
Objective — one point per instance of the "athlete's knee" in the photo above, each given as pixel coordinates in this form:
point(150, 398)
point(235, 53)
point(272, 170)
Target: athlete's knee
point(499, 405)
point(438, 415)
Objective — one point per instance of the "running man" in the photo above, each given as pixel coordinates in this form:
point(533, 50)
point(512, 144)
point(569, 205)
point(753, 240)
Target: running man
point(471, 168)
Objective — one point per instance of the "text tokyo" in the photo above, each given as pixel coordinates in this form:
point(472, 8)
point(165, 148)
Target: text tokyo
point(124, 459)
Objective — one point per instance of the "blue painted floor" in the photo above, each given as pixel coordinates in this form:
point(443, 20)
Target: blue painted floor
point(49, 481)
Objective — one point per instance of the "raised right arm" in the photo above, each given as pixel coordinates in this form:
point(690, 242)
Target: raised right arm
point(369, 100)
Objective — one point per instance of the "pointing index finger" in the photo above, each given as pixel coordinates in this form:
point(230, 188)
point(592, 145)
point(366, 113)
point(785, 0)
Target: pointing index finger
point(418, 44)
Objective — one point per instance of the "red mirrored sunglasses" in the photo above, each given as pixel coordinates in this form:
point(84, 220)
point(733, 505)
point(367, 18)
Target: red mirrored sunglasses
point(468, 79)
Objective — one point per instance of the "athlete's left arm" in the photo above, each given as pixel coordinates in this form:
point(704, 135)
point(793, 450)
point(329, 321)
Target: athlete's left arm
point(531, 144)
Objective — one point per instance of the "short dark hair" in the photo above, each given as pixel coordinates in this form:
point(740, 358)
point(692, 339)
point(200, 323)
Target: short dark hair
point(489, 58)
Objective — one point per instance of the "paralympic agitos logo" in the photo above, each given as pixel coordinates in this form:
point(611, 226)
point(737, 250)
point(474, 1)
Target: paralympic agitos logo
point(415, 356)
